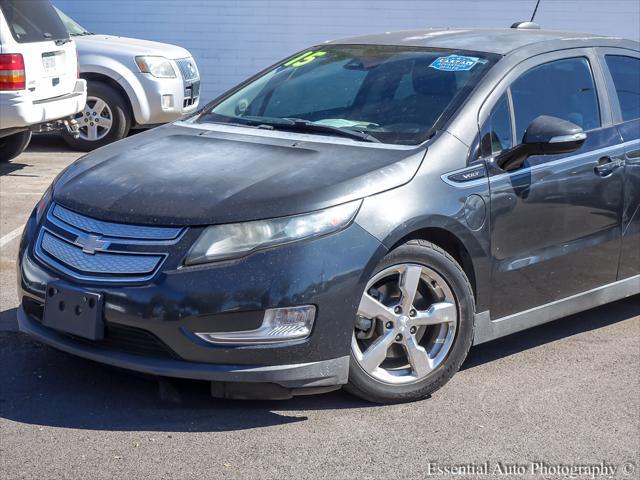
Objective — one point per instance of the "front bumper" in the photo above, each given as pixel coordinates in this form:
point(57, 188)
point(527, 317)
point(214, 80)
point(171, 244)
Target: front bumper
point(20, 110)
point(303, 375)
point(181, 95)
point(151, 326)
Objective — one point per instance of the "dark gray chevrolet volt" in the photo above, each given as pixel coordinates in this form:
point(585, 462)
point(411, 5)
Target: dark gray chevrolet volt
point(359, 214)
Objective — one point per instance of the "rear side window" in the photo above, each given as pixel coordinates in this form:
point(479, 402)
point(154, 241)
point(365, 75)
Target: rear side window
point(625, 72)
point(33, 20)
point(563, 89)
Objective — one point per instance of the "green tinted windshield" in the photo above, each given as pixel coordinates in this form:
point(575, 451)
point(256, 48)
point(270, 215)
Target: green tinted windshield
point(395, 94)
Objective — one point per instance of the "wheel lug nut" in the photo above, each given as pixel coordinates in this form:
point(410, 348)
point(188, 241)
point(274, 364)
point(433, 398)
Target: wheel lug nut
point(398, 309)
point(413, 330)
point(389, 325)
point(398, 337)
point(412, 313)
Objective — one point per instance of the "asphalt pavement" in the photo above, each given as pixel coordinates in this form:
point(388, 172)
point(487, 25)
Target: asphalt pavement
point(558, 401)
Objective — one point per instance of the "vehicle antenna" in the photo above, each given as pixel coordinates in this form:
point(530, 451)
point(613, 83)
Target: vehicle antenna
point(535, 10)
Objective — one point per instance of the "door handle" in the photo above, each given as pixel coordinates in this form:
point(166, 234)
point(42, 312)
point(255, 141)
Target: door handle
point(606, 166)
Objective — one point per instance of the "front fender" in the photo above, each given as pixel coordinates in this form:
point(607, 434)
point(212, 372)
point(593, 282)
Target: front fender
point(125, 77)
point(430, 206)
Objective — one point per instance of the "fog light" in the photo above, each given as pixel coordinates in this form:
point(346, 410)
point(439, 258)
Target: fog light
point(278, 325)
point(167, 102)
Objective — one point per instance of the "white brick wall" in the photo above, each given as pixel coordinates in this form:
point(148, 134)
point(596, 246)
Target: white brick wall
point(232, 39)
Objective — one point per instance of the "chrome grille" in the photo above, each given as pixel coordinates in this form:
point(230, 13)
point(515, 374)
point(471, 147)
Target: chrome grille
point(95, 250)
point(118, 230)
point(188, 69)
point(99, 262)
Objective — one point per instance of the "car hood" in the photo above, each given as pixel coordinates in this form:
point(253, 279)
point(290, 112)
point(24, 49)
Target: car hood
point(110, 44)
point(178, 175)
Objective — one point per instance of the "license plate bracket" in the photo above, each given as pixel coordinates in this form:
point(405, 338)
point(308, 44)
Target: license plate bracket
point(52, 62)
point(74, 310)
point(192, 91)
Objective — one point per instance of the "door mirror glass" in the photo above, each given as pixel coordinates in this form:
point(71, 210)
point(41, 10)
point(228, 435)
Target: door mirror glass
point(545, 135)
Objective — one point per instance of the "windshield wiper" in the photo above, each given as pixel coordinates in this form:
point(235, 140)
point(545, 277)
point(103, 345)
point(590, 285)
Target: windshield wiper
point(296, 124)
point(302, 125)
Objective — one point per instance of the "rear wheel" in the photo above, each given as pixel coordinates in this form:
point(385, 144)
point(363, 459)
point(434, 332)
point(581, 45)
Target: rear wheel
point(105, 118)
point(414, 325)
point(13, 145)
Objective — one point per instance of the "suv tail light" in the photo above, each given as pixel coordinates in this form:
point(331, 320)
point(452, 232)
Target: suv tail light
point(12, 75)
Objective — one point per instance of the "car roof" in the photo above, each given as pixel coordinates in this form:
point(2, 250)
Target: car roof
point(491, 40)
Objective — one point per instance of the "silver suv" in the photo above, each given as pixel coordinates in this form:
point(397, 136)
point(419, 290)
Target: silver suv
point(132, 83)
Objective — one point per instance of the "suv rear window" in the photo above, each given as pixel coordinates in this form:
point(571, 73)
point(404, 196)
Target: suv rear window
point(33, 21)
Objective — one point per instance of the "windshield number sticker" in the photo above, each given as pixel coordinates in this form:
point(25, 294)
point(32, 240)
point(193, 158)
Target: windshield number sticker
point(303, 59)
point(454, 63)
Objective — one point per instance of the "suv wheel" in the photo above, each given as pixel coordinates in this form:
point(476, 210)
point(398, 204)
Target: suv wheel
point(105, 118)
point(13, 145)
point(414, 325)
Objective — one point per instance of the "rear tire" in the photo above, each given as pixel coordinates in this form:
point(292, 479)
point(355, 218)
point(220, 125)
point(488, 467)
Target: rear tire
point(13, 145)
point(105, 119)
point(419, 336)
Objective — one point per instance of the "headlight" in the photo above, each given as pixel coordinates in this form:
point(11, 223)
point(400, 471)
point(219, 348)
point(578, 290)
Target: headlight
point(159, 67)
point(222, 242)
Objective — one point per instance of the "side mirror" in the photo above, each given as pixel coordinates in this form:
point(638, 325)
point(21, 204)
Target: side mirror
point(544, 136)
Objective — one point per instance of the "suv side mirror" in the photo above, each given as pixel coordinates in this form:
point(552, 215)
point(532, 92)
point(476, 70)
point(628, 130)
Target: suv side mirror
point(544, 136)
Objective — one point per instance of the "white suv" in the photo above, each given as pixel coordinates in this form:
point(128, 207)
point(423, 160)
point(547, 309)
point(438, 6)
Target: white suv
point(39, 85)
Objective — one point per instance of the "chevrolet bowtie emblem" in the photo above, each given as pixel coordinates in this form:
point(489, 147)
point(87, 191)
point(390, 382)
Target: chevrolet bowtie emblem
point(92, 244)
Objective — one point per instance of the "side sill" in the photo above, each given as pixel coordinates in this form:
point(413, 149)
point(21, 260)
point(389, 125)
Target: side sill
point(487, 329)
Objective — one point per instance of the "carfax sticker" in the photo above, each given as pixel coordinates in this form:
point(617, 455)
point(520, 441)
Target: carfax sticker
point(454, 63)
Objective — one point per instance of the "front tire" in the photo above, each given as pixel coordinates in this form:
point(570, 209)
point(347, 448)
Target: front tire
point(105, 118)
point(414, 326)
point(13, 145)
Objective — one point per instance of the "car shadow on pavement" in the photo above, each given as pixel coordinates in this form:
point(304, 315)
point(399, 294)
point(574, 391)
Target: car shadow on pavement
point(565, 327)
point(41, 143)
point(48, 143)
point(42, 386)
point(7, 168)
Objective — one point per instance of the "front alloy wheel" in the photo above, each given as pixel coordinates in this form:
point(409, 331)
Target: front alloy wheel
point(414, 317)
point(414, 325)
point(95, 120)
point(106, 118)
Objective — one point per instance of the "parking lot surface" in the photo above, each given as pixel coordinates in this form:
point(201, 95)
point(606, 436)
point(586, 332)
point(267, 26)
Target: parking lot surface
point(562, 395)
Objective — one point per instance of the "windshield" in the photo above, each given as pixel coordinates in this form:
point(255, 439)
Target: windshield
point(393, 94)
point(32, 21)
point(73, 27)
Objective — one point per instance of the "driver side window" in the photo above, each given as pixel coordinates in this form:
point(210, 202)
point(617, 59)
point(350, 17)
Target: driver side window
point(562, 88)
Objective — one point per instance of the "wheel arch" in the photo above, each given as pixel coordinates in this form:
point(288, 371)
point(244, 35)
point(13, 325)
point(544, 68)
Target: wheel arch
point(99, 77)
point(450, 243)
point(121, 78)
